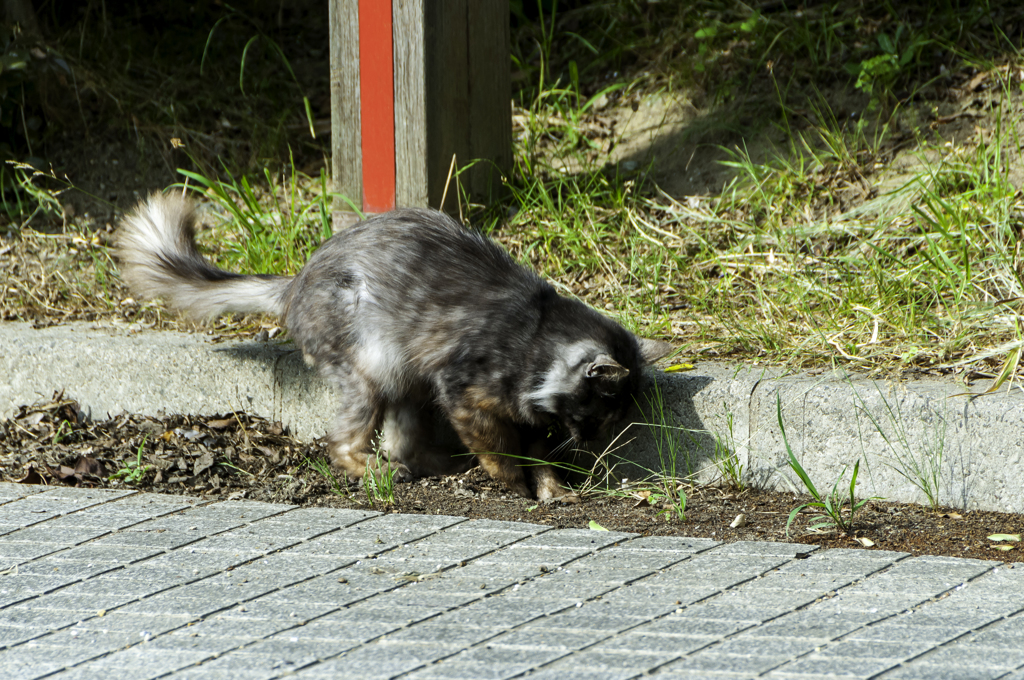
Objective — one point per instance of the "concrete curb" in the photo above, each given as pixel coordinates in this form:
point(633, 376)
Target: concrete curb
point(971, 450)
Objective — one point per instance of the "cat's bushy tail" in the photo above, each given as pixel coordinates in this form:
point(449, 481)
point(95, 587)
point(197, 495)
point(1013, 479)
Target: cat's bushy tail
point(158, 254)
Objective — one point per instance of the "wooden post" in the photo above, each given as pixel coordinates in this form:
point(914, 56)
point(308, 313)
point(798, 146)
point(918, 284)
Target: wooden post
point(414, 82)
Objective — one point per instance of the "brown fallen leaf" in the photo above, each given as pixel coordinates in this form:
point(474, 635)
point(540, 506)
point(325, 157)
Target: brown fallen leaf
point(203, 463)
point(222, 424)
point(90, 467)
point(32, 476)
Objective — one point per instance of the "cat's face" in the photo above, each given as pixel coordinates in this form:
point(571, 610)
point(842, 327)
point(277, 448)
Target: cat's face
point(588, 390)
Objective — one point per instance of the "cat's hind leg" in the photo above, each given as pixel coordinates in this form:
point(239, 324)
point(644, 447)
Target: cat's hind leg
point(357, 432)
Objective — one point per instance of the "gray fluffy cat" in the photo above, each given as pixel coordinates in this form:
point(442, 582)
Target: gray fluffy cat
point(411, 316)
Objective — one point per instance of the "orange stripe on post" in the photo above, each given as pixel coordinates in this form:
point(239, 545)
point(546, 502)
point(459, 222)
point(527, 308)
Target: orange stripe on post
point(377, 105)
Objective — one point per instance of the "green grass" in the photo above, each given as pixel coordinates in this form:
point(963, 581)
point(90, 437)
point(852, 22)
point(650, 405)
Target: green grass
point(830, 504)
point(133, 471)
point(844, 231)
point(339, 487)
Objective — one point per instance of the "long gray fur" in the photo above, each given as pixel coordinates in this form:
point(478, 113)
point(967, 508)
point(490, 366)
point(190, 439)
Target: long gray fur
point(418, 322)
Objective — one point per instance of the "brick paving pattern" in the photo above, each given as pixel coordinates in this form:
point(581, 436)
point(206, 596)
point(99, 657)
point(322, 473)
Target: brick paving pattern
point(100, 584)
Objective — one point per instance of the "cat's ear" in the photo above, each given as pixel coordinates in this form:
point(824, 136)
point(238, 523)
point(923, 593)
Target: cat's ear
point(605, 367)
point(607, 373)
point(652, 350)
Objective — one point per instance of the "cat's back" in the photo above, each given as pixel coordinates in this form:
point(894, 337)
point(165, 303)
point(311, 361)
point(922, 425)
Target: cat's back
point(409, 249)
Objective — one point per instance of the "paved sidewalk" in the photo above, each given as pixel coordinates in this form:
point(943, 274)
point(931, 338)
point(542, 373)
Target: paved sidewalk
point(99, 584)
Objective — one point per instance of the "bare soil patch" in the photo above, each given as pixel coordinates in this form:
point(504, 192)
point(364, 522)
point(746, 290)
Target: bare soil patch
point(234, 456)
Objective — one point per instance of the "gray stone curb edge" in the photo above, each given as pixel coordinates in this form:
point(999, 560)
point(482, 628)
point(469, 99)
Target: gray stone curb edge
point(971, 450)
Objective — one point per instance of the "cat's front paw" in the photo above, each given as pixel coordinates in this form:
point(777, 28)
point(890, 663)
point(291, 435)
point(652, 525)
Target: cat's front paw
point(400, 473)
point(547, 483)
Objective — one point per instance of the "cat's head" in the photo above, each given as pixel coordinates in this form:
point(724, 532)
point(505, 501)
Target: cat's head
point(589, 386)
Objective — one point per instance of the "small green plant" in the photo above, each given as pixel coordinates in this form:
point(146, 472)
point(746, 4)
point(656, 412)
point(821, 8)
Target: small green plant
point(133, 470)
point(728, 463)
point(831, 504)
point(379, 477)
point(63, 431)
point(877, 75)
point(921, 466)
point(321, 466)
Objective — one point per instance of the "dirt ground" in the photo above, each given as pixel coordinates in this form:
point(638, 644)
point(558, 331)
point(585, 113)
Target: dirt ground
point(235, 456)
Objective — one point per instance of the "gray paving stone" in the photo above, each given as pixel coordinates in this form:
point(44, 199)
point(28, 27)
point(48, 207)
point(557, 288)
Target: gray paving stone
point(876, 602)
point(74, 601)
point(27, 668)
point(810, 623)
point(634, 641)
point(742, 567)
point(663, 544)
point(581, 674)
point(17, 553)
point(14, 635)
point(618, 557)
point(637, 660)
point(575, 538)
point(216, 626)
point(760, 548)
point(368, 610)
point(41, 533)
point(264, 609)
point(101, 641)
point(139, 662)
point(523, 659)
point(105, 554)
point(149, 538)
point(191, 607)
point(456, 670)
point(43, 618)
point(566, 640)
point(203, 672)
point(581, 619)
point(404, 598)
point(243, 662)
point(833, 666)
point(821, 583)
point(69, 569)
point(684, 626)
point(728, 663)
point(745, 644)
point(66, 655)
point(886, 631)
point(448, 634)
point(298, 651)
point(528, 556)
point(137, 624)
point(10, 491)
point(638, 608)
point(896, 650)
point(25, 585)
point(346, 635)
point(974, 656)
point(920, 671)
point(187, 641)
point(375, 661)
point(500, 615)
